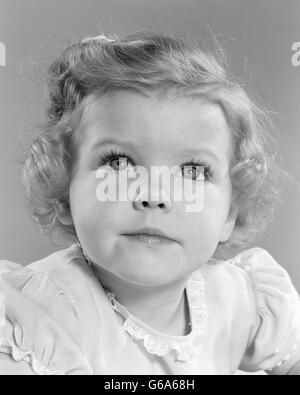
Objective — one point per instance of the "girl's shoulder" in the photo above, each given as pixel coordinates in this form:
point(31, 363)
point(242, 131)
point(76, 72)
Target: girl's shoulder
point(263, 294)
point(60, 273)
point(37, 308)
point(246, 287)
point(228, 281)
point(61, 265)
point(247, 275)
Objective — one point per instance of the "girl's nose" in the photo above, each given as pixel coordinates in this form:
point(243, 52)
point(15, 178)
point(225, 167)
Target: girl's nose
point(144, 201)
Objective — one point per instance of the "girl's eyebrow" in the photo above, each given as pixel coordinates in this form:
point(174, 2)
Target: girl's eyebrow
point(184, 152)
point(202, 150)
point(110, 141)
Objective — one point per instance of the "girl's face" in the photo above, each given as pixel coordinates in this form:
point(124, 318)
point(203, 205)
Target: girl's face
point(151, 132)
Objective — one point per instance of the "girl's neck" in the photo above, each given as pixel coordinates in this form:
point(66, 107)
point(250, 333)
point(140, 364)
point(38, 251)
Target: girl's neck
point(163, 308)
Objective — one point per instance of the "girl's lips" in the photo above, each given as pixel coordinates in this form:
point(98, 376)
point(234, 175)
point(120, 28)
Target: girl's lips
point(151, 232)
point(150, 239)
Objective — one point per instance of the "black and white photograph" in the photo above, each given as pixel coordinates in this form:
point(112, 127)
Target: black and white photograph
point(150, 189)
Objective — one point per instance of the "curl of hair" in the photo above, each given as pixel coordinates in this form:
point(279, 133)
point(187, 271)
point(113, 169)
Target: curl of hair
point(146, 62)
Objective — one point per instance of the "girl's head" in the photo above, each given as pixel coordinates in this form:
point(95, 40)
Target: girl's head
point(162, 102)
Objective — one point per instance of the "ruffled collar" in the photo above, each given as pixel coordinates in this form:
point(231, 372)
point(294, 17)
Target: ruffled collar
point(158, 343)
point(184, 348)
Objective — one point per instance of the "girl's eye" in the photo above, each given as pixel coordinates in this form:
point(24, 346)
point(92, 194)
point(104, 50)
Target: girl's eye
point(117, 160)
point(119, 163)
point(194, 170)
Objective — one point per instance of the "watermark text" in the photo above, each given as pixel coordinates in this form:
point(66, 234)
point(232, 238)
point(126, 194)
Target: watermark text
point(2, 54)
point(296, 54)
point(167, 185)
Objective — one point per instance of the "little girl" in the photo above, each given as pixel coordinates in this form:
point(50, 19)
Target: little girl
point(147, 287)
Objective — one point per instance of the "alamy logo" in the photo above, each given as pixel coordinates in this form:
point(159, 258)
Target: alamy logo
point(166, 184)
point(2, 55)
point(296, 54)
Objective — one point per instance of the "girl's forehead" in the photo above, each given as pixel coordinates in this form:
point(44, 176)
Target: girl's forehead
point(179, 122)
point(127, 106)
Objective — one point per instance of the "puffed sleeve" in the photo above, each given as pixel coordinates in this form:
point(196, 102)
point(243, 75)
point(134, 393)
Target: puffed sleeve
point(274, 338)
point(38, 323)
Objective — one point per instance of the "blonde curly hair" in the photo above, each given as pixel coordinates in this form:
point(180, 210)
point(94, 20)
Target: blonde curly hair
point(146, 62)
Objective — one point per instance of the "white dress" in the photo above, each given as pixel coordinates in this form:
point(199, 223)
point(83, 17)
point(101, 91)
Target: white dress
point(56, 316)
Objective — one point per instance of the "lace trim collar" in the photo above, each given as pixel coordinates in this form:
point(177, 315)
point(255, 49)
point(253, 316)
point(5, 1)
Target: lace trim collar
point(185, 347)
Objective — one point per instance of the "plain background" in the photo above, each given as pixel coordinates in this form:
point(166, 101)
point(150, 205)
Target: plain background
point(257, 35)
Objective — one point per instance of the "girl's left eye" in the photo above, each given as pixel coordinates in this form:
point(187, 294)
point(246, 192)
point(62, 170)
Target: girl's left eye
point(192, 169)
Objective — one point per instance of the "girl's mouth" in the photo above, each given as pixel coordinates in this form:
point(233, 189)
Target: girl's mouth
point(150, 239)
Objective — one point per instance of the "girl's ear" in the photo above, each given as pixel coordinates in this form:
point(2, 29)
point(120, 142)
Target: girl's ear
point(63, 213)
point(229, 224)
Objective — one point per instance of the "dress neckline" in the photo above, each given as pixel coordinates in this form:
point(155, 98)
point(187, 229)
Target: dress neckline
point(185, 347)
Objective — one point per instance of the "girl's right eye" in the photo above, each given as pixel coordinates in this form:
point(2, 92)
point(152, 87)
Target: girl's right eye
point(120, 159)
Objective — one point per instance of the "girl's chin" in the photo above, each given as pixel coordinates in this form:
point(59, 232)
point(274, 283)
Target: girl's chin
point(148, 272)
point(147, 282)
